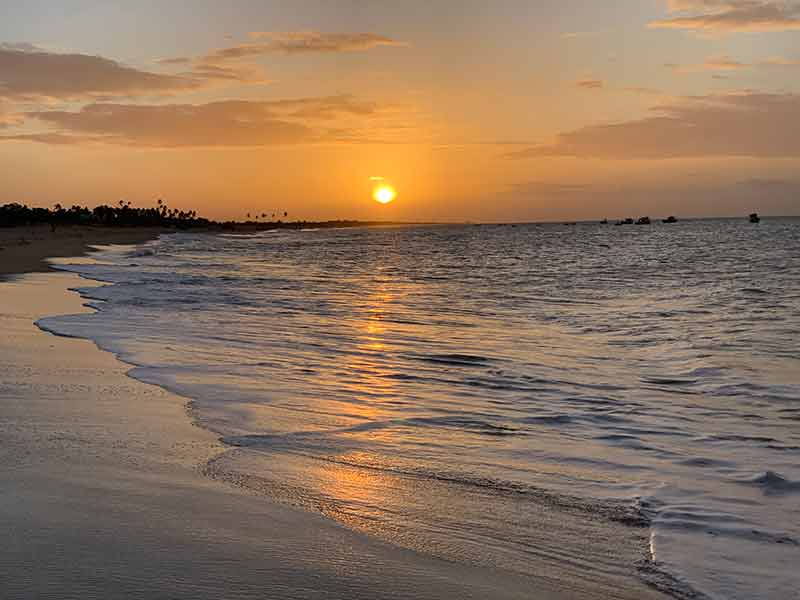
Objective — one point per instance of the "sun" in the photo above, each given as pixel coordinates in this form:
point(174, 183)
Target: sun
point(384, 194)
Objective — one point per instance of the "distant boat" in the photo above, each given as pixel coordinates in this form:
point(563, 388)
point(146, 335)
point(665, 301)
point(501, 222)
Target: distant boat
point(670, 219)
point(643, 221)
point(754, 218)
point(604, 222)
point(627, 221)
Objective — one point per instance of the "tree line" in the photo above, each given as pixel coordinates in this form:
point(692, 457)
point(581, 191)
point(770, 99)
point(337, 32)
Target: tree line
point(125, 215)
point(119, 215)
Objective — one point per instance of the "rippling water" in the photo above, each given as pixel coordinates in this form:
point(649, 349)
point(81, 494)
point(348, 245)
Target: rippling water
point(432, 385)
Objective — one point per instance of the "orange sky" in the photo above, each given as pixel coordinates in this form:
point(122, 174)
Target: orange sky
point(515, 110)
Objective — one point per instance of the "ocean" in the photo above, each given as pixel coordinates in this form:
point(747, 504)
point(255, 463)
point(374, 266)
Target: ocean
point(502, 395)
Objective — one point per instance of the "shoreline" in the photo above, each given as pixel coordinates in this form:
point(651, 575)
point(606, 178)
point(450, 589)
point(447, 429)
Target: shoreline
point(69, 424)
point(105, 498)
point(26, 249)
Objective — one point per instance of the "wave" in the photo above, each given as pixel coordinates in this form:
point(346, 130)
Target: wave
point(620, 511)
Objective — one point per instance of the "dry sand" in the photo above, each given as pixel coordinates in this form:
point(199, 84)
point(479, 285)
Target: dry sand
point(101, 495)
point(26, 249)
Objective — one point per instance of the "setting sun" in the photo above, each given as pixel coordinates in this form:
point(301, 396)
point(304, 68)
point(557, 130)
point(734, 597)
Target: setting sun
point(384, 194)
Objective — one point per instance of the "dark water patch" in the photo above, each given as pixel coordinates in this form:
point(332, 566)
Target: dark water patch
point(757, 439)
point(703, 462)
point(669, 381)
point(713, 527)
point(783, 447)
point(461, 360)
point(548, 420)
point(641, 432)
point(472, 425)
point(773, 483)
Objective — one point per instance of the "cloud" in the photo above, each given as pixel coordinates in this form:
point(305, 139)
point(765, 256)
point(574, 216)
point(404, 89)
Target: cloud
point(212, 73)
point(735, 124)
point(233, 123)
point(590, 84)
point(8, 117)
point(177, 60)
point(571, 35)
point(779, 61)
point(300, 42)
point(20, 46)
point(723, 63)
point(711, 64)
point(730, 16)
point(643, 91)
point(29, 73)
point(54, 139)
point(726, 63)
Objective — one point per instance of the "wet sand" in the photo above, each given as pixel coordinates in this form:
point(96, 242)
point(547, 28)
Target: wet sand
point(102, 496)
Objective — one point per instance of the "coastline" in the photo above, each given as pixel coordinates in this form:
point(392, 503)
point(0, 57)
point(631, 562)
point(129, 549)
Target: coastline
point(27, 249)
point(106, 499)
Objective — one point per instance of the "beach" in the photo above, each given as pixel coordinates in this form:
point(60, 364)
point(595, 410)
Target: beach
point(26, 249)
point(103, 493)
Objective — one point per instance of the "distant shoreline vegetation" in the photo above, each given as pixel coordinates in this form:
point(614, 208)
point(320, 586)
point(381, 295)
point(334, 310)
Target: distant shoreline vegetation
point(124, 214)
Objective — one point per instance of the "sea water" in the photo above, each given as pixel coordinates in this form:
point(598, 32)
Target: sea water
point(429, 385)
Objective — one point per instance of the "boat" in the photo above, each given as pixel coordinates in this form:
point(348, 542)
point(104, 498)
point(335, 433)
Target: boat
point(754, 218)
point(604, 222)
point(670, 219)
point(643, 221)
point(627, 221)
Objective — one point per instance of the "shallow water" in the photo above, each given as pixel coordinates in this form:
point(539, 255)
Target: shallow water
point(429, 385)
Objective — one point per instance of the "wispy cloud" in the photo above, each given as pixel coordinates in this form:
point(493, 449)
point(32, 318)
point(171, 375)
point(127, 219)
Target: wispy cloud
point(730, 16)
point(590, 84)
point(735, 124)
point(298, 42)
point(54, 139)
point(713, 63)
point(211, 73)
point(571, 35)
point(315, 41)
point(643, 91)
point(779, 61)
point(177, 60)
point(726, 63)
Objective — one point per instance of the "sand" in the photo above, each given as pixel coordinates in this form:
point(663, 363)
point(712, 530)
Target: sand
point(102, 496)
point(26, 249)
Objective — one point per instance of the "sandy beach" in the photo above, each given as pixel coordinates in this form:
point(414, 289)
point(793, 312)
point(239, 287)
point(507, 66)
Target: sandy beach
point(26, 249)
point(102, 494)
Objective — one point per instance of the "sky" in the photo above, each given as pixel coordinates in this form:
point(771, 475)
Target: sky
point(510, 110)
